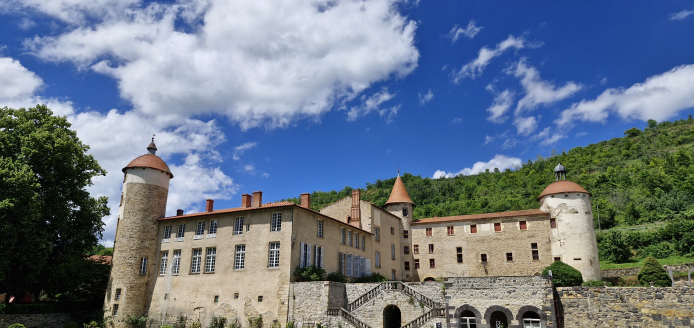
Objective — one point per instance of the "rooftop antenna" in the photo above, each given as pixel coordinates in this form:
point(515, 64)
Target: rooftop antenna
point(152, 149)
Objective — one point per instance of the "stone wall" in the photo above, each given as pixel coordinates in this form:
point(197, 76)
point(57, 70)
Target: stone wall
point(46, 320)
point(371, 313)
point(627, 306)
point(613, 273)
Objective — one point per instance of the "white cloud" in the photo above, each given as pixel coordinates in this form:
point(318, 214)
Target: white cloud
point(373, 103)
point(603, 81)
point(501, 162)
point(581, 134)
point(502, 102)
point(681, 15)
point(475, 68)
point(660, 97)
point(525, 125)
point(423, 99)
point(547, 137)
point(239, 150)
point(470, 31)
point(256, 62)
point(16, 82)
point(537, 91)
point(26, 24)
point(457, 120)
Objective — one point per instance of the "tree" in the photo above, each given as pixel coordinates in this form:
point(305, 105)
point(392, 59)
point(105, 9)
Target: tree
point(614, 248)
point(47, 217)
point(564, 275)
point(651, 271)
point(633, 132)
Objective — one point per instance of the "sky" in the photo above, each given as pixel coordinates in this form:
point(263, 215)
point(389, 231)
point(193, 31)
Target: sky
point(293, 96)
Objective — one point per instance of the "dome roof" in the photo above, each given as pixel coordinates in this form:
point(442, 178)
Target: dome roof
point(559, 168)
point(399, 193)
point(150, 161)
point(562, 186)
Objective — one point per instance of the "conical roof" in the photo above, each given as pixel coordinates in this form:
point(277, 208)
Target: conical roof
point(399, 193)
point(562, 186)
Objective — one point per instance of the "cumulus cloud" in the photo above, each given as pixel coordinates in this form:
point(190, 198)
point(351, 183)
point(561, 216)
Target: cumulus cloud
point(660, 97)
point(373, 103)
point(499, 161)
point(256, 62)
point(681, 15)
point(502, 102)
point(525, 125)
point(470, 31)
point(475, 68)
point(537, 91)
point(16, 82)
point(425, 98)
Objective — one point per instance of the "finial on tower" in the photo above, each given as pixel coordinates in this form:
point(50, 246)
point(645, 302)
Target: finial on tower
point(398, 169)
point(560, 172)
point(152, 148)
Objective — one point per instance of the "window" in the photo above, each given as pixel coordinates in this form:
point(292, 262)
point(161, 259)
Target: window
point(349, 238)
point(115, 310)
point(378, 259)
point(143, 265)
point(276, 224)
point(260, 298)
point(407, 266)
point(531, 320)
point(181, 232)
point(195, 263)
point(240, 258)
point(200, 230)
point(459, 254)
point(166, 296)
point(236, 296)
point(356, 240)
point(238, 226)
point(392, 275)
point(216, 298)
point(523, 225)
point(497, 227)
point(392, 230)
point(363, 242)
point(416, 264)
point(392, 251)
point(509, 257)
point(557, 259)
point(164, 260)
point(304, 255)
point(212, 233)
point(428, 232)
point(473, 228)
point(274, 256)
point(176, 264)
point(432, 263)
point(415, 249)
point(450, 230)
point(118, 293)
point(431, 248)
point(577, 258)
point(468, 320)
point(552, 223)
point(483, 258)
point(377, 231)
point(406, 250)
point(167, 234)
point(319, 257)
point(342, 236)
point(405, 234)
point(320, 229)
point(536, 252)
point(404, 212)
point(248, 227)
point(210, 260)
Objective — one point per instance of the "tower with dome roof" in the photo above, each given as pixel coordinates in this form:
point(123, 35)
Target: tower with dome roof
point(400, 205)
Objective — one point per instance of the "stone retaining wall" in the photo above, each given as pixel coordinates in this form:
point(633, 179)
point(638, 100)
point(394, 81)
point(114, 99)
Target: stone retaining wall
point(45, 320)
point(627, 306)
point(613, 273)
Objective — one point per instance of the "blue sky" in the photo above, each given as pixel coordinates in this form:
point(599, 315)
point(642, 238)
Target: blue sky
point(295, 96)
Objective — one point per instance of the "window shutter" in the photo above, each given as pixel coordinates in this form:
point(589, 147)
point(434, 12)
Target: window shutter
point(341, 265)
point(301, 260)
point(348, 265)
point(322, 255)
point(308, 255)
point(368, 267)
point(317, 252)
point(355, 266)
point(362, 266)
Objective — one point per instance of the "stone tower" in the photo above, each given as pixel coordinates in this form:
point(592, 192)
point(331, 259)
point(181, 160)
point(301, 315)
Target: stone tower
point(400, 205)
point(143, 201)
point(573, 234)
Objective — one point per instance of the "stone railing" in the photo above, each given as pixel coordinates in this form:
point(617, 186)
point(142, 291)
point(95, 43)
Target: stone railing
point(424, 318)
point(347, 316)
point(393, 285)
point(420, 297)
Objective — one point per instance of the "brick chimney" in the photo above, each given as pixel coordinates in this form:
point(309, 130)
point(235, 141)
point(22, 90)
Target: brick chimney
point(257, 198)
point(355, 218)
point(306, 200)
point(179, 212)
point(245, 200)
point(209, 206)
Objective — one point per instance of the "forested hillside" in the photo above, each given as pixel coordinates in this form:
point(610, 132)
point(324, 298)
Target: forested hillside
point(644, 177)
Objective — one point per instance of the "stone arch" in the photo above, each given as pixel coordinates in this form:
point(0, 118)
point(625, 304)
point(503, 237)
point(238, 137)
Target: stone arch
point(428, 279)
point(392, 317)
point(530, 308)
point(467, 307)
point(496, 308)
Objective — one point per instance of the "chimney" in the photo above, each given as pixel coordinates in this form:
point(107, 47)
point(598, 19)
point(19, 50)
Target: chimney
point(355, 218)
point(306, 200)
point(257, 198)
point(245, 200)
point(210, 205)
point(179, 212)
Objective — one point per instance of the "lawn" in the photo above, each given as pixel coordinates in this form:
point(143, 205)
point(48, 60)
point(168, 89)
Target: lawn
point(672, 260)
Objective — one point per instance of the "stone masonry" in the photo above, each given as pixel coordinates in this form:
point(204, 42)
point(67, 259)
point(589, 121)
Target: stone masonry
point(45, 320)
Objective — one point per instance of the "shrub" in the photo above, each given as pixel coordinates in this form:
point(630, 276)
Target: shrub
point(613, 247)
point(652, 271)
point(564, 275)
point(71, 325)
point(336, 277)
point(373, 277)
point(290, 324)
point(660, 250)
point(309, 273)
point(594, 283)
point(218, 322)
point(136, 322)
point(16, 325)
point(165, 326)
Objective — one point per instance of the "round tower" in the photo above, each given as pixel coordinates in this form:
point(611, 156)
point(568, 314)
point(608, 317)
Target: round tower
point(400, 205)
point(573, 234)
point(143, 201)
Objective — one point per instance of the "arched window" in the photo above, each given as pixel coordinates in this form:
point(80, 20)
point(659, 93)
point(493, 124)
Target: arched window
point(531, 320)
point(468, 320)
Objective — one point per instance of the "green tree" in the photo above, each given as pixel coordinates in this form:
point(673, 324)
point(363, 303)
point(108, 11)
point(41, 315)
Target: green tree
point(633, 132)
point(652, 271)
point(564, 275)
point(614, 248)
point(47, 217)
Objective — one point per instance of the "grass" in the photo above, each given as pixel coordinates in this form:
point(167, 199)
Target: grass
point(672, 260)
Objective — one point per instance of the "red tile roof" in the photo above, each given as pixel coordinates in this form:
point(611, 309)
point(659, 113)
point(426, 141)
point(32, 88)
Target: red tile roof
point(562, 186)
point(399, 193)
point(101, 259)
point(533, 212)
point(150, 161)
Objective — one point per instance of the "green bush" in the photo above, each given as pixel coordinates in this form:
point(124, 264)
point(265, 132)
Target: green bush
point(660, 250)
point(652, 271)
point(336, 277)
point(613, 247)
point(16, 325)
point(165, 326)
point(373, 277)
point(136, 322)
point(71, 325)
point(218, 322)
point(594, 283)
point(564, 275)
point(309, 273)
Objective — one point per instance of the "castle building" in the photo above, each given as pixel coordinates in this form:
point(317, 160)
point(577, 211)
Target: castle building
point(240, 262)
